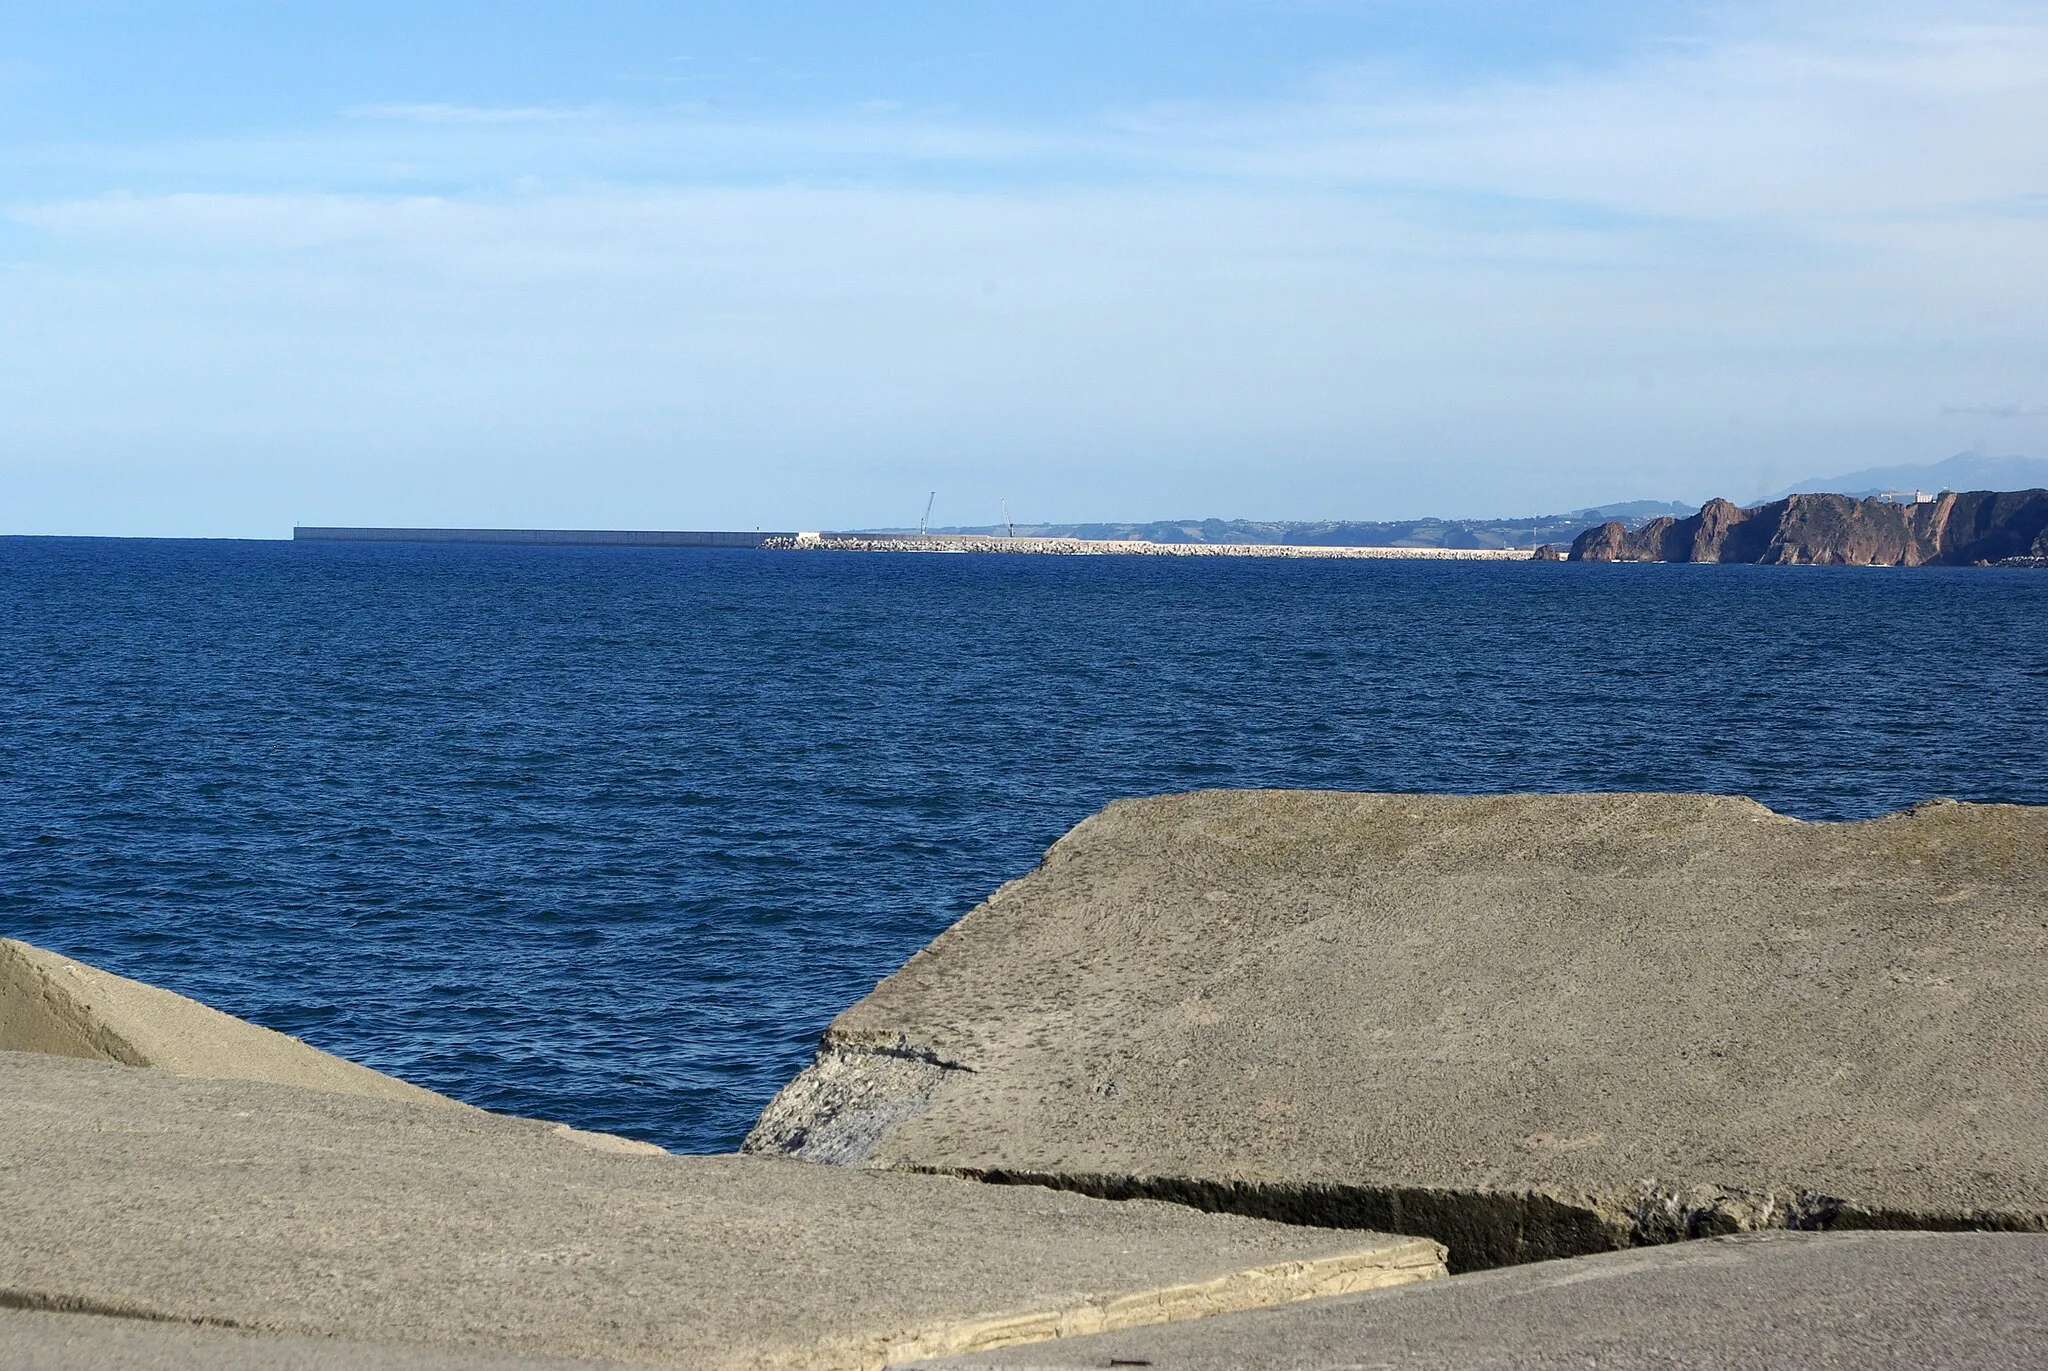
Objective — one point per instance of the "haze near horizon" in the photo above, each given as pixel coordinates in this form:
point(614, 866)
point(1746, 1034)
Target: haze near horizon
point(795, 265)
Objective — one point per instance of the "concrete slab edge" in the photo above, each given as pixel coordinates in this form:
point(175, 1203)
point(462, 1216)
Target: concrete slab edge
point(46, 1015)
point(50, 1302)
point(1487, 1229)
point(1260, 1287)
point(56, 1005)
point(1374, 1268)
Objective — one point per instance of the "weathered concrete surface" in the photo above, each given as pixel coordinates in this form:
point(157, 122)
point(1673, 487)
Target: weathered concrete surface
point(33, 1340)
point(1528, 1026)
point(305, 1213)
point(1921, 1300)
point(50, 1003)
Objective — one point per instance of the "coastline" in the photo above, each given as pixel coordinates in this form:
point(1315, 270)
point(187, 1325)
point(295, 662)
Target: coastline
point(834, 541)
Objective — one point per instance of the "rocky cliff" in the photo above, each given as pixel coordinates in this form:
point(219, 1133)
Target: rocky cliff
point(1834, 530)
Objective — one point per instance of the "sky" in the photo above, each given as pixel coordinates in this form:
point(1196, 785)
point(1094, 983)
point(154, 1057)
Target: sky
point(781, 265)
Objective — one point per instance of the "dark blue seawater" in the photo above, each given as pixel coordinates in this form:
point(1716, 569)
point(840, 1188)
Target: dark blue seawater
point(608, 835)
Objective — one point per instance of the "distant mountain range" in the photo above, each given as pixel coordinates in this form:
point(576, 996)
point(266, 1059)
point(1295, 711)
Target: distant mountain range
point(1964, 471)
point(1459, 533)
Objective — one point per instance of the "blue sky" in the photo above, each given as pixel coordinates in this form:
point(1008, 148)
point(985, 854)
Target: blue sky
point(795, 265)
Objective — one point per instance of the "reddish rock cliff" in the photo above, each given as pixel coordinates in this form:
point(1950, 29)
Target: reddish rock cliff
point(1834, 530)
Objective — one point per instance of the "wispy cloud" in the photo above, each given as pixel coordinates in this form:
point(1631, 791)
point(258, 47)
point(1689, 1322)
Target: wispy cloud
point(1997, 411)
point(1710, 267)
point(1810, 119)
point(1854, 114)
point(474, 114)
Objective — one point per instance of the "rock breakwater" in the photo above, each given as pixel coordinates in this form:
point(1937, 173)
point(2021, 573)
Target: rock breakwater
point(1106, 547)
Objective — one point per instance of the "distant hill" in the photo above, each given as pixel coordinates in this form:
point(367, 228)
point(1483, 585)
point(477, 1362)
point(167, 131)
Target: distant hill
point(1455, 533)
point(1964, 471)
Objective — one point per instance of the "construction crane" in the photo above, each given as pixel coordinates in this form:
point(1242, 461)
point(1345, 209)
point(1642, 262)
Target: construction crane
point(921, 523)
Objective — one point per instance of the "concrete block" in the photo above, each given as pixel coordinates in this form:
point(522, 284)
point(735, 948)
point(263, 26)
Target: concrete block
point(1527, 1026)
point(1924, 1301)
point(295, 1213)
point(53, 1004)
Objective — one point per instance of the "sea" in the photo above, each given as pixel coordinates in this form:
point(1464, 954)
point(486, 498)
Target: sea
point(608, 835)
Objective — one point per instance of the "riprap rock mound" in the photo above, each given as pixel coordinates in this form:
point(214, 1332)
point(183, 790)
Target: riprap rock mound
point(1526, 1026)
point(1835, 530)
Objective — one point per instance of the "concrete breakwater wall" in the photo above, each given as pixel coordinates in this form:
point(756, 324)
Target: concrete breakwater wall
point(539, 537)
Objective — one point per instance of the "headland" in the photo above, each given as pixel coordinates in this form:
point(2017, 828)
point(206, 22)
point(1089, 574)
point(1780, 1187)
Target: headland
point(1975, 528)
